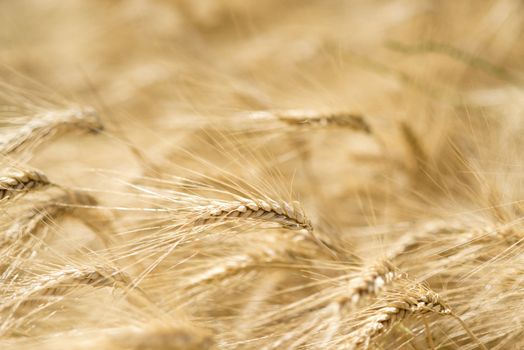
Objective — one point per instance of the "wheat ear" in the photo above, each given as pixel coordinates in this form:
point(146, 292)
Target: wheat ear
point(81, 206)
point(415, 146)
point(455, 53)
point(427, 232)
point(244, 263)
point(414, 301)
point(370, 282)
point(30, 224)
point(311, 118)
point(20, 182)
point(286, 214)
point(233, 266)
point(47, 124)
point(460, 233)
point(58, 283)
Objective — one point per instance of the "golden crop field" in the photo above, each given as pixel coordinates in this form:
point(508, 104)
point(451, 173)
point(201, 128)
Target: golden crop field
point(266, 175)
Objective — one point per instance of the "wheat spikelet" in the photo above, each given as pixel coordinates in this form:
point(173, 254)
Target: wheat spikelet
point(46, 125)
point(18, 182)
point(288, 215)
point(95, 276)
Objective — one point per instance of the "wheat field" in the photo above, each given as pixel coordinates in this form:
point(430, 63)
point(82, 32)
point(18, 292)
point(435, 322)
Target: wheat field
point(240, 174)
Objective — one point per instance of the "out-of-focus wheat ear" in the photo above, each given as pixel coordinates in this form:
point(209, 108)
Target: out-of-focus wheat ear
point(14, 241)
point(239, 264)
point(57, 284)
point(48, 124)
point(37, 219)
point(427, 232)
point(475, 61)
point(418, 154)
point(233, 266)
point(30, 224)
point(15, 183)
point(289, 215)
point(161, 337)
point(35, 223)
point(85, 207)
point(315, 119)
